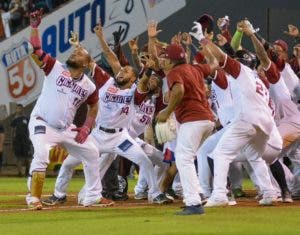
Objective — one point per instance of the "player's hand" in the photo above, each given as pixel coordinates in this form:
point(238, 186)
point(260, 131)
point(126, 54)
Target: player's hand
point(117, 35)
point(176, 39)
point(186, 39)
point(147, 60)
point(74, 40)
point(293, 31)
point(221, 40)
point(83, 133)
point(163, 116)
point(197, 31)
point(36, 18)
point(133, 45)
point(98, 29)
point(152, 29)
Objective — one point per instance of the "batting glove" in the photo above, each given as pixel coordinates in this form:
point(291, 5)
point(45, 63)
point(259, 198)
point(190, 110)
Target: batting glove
point(83, 133)
point(36, 18)
point(198, 34)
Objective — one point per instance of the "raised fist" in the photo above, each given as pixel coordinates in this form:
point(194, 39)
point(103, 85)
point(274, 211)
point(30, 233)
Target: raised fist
point(74, 40)
point(36, 18)
point(293, 31)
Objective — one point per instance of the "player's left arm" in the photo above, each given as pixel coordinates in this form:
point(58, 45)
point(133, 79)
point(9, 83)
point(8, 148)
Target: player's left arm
point(109, 54)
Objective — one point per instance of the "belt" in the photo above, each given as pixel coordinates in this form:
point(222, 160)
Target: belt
point(112, 131)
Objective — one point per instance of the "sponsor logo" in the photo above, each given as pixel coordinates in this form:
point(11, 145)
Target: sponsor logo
point(21, 75)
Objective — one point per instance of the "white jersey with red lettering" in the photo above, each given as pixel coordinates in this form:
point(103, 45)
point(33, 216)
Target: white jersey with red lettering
point(223, 102)
point(290, 78)
point(61, 96)
point(251, 99)
point(115, 105)
point(141, 117)
point(285, 108)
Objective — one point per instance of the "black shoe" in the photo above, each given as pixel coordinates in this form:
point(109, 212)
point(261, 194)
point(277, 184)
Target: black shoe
point(203, 199)
point(118, 196)
point(53, 200)
point(191, 210)
point(160, 199)
point(171, 193)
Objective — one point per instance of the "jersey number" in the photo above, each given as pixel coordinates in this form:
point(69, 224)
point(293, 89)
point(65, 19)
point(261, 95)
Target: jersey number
point(145, 119)
point(76, 102)
point(125, 110)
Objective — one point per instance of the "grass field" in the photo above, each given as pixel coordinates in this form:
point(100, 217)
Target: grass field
point(132, 217)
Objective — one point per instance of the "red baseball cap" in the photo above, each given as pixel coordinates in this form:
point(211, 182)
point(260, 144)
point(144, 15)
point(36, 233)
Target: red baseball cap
point(282, 44)
point(174, 52)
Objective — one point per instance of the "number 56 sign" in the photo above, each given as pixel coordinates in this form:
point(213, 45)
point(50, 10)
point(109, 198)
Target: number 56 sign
point(20, 71)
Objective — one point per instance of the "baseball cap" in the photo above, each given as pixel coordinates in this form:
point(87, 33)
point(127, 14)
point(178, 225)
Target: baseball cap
point(174, 52)
point(282, 44)
point(207, 22)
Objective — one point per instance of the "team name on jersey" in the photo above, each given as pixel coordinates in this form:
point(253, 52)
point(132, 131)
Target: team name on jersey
point(146, 109)
point(117, 98)
point(69, 83)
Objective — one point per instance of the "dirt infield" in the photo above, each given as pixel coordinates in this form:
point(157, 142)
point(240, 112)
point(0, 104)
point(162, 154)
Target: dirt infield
point(17, 204)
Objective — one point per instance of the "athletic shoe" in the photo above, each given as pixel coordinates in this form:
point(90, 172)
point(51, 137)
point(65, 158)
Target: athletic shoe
point(170, 198)
point(212, 202)
point(171, 193)
point(203, 199)
point(191, 210)
point(160, 199)
point(35, 205)
point(287, 197)
point(118, 196)
point(141, 196)
point(53, 200)
point(103, 202)
point(238, 192)
point(231, 199)
point(267, 201)
point(296, 196)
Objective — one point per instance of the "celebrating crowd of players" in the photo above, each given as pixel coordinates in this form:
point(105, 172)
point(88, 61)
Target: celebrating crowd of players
point(216, 103)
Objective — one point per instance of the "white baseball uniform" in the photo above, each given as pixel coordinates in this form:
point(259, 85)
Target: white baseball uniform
point(249, 129)
point(51, 124)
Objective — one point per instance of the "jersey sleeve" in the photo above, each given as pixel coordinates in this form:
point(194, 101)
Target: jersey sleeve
point(159, 104)
point(100, 76)
point(93, 98)
point(48, 66)
point(173, 78)
point(203, 68)
point(139, 96)
point(220, 79)
point(272, 73)
point(231, 66)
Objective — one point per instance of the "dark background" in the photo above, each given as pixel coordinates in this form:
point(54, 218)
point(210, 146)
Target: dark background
point(271, 16)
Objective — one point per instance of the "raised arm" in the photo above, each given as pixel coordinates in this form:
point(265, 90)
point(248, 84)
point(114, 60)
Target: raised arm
point(43, 60)
point(258, 46)
point(109, 54)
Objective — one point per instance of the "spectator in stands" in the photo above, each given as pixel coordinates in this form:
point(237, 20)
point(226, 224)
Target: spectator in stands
point(2, 136)
point(21, 142)
point(16, 15)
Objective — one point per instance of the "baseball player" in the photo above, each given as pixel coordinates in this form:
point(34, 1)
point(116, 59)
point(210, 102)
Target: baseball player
point(65, 88)
point(250, 128)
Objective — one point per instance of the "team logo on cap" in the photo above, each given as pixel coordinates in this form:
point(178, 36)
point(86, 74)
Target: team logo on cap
point(21, 75)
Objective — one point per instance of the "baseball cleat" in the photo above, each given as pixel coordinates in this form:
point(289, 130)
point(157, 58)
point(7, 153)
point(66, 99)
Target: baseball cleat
point(287, 197)
point(141, 196)
point(267, 201)
point(103, 202)
point(160, 199)
point(203, 199)
point(191, 210)
point(35, 205)
point(53, 200)
point(212, 202)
